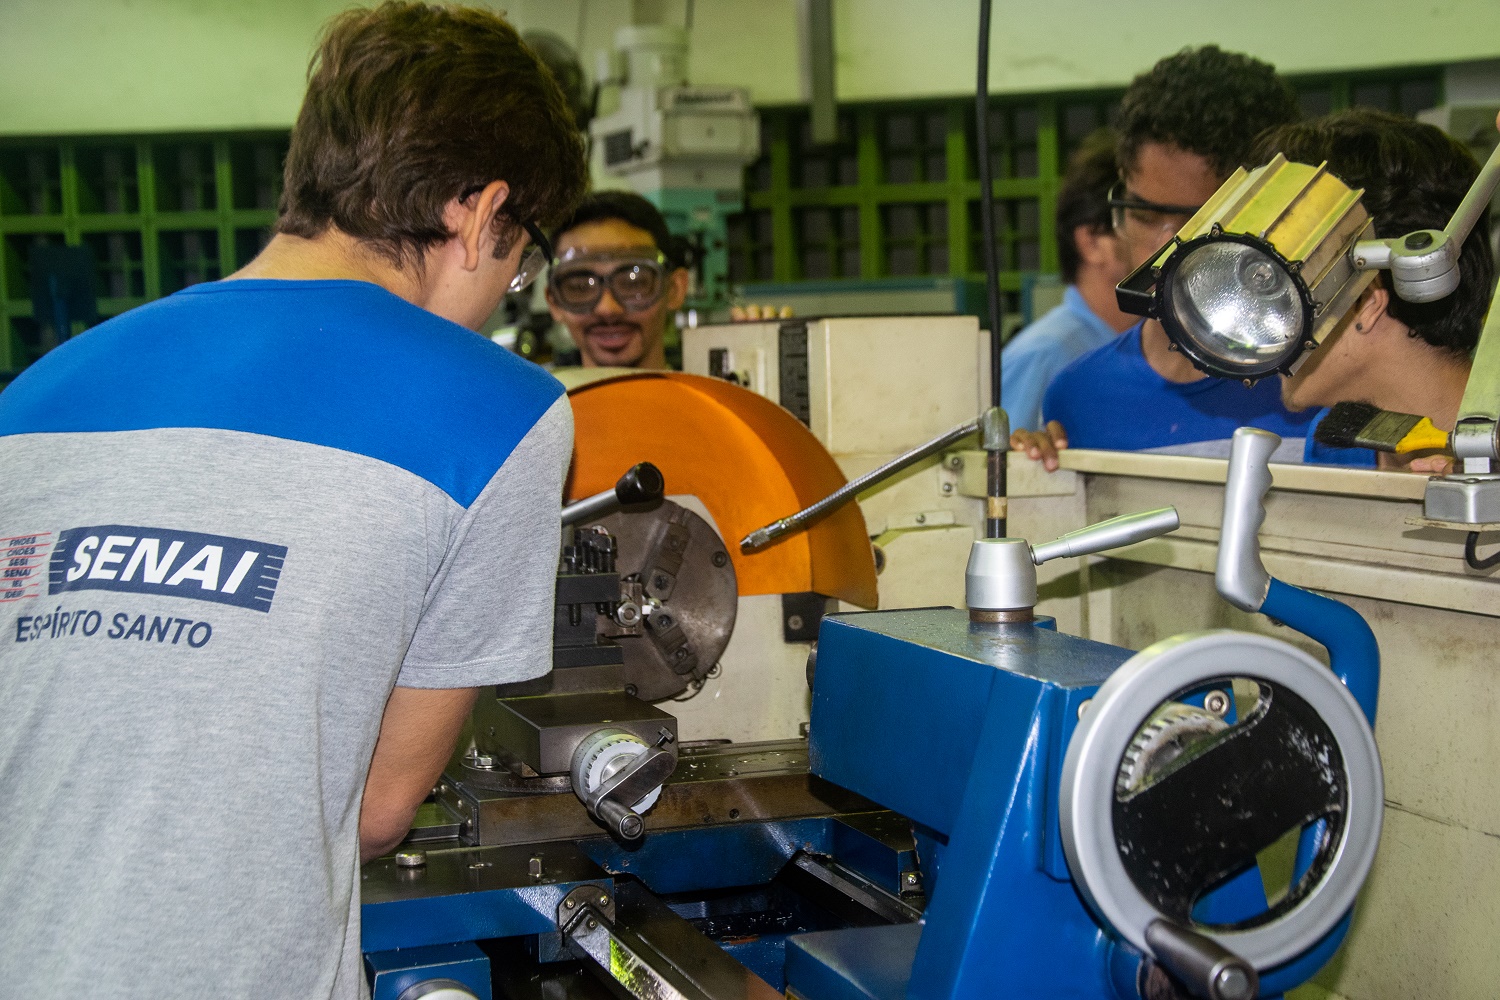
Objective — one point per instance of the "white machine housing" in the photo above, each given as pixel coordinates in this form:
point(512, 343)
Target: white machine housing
point(870, 388)
point(664, 133)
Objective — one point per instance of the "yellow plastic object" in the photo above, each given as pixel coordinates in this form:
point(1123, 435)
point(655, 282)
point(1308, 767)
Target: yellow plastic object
point(1425, 436)
point(746, 458)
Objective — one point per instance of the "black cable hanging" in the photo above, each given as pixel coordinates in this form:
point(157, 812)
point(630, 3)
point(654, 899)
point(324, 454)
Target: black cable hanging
point(995, 514)
point(1471, 554)
point(987, 198)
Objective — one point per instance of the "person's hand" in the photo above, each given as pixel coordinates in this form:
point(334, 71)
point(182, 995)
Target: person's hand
point(1433, 465)
point(1042, 445)
point(753, 313)
point(1428, 463)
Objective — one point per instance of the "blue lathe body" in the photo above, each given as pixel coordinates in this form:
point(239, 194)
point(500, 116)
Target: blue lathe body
point(962, 728)
point(984, 807)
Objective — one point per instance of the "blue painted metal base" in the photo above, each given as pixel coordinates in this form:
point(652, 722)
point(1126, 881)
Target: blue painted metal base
point(392, 973)
point(863, 963)
point(986, 712)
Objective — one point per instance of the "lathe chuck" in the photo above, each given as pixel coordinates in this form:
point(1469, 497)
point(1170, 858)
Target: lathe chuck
point(689, 597)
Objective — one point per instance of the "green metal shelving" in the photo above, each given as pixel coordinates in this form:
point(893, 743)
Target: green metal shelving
point(898, 194)
point(895, 196)
point(159, 212)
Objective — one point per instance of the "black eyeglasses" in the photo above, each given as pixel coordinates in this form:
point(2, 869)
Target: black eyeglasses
point(1153, 215)
point(536, 256)
point(534, 259)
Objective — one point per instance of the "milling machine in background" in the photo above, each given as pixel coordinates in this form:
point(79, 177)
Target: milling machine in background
point(682, 147)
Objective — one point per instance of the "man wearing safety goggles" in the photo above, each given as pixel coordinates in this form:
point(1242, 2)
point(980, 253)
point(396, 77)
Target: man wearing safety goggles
point(613, 284)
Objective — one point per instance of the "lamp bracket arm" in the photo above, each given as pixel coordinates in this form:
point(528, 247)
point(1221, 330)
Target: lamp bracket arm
point(1476, 201)
point(1371, 255)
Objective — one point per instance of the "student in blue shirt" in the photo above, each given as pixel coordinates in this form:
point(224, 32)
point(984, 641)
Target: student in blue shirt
point(1185, 126)
point(1113, 398)
point(1402, 356)
point(1089, 256)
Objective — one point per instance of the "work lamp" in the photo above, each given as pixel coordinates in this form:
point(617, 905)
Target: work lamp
point(1266, 268)
point(1260, 274)
point(1269, 264)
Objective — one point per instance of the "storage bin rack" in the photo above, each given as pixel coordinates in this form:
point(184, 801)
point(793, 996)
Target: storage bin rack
point(159, 212)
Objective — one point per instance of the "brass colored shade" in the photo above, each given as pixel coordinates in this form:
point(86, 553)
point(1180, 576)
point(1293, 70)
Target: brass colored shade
point(1285, 230)
point(1310, 217)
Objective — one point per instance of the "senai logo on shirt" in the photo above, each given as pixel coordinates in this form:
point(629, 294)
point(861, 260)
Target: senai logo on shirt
point(163, 561)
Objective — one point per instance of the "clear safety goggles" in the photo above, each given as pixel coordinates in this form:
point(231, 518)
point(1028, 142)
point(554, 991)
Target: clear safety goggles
point(1136, 218)
point(637, 279)
point(534, 259)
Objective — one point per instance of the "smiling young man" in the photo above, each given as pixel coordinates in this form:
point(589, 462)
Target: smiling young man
point(615, 285)
point(1185, 126)
point(267, 521)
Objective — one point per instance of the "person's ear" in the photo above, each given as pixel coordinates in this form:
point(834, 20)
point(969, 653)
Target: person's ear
point(677, 286)
point(1095, 246)
point(1372, 305)
point(552, 307)
point(472, 221)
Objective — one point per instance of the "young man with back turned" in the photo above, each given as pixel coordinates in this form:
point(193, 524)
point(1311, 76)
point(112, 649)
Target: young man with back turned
point(284, 526)
point(1185, 126)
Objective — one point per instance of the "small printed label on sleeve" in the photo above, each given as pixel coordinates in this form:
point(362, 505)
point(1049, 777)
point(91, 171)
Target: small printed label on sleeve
point(23, 562)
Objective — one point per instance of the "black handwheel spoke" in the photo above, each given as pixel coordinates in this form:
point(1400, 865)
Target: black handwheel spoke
point(1211, 813)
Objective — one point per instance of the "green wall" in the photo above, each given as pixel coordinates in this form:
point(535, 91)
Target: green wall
point(152, 66)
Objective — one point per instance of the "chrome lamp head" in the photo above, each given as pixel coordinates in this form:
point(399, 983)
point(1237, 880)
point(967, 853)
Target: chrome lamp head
point(1261, 274)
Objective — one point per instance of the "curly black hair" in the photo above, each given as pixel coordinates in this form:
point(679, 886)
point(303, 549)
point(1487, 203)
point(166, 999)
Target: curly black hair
point(1205, 101)
point(1414, 177)
point(1083, 199)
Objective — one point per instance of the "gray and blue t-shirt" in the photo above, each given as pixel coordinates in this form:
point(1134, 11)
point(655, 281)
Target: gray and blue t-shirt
point(230, 521)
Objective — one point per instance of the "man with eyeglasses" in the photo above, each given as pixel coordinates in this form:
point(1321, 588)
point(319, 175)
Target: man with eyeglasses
point(1089, 257)
point(276, 532)
point(614, 284)
point(1185, 126)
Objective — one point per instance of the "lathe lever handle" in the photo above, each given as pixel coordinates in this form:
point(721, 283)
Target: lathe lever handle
point(1127, 529)
point(642, 483)
point(611, 802)
point(624, 821)
point(1204, 966)
point(1240, 575)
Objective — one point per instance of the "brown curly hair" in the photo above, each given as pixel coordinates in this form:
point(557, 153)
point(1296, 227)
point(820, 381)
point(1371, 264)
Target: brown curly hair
point(1205, 101)
point(408, 106)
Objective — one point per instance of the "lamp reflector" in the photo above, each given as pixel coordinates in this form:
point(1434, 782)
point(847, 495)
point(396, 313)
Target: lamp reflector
point(1238, 305)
